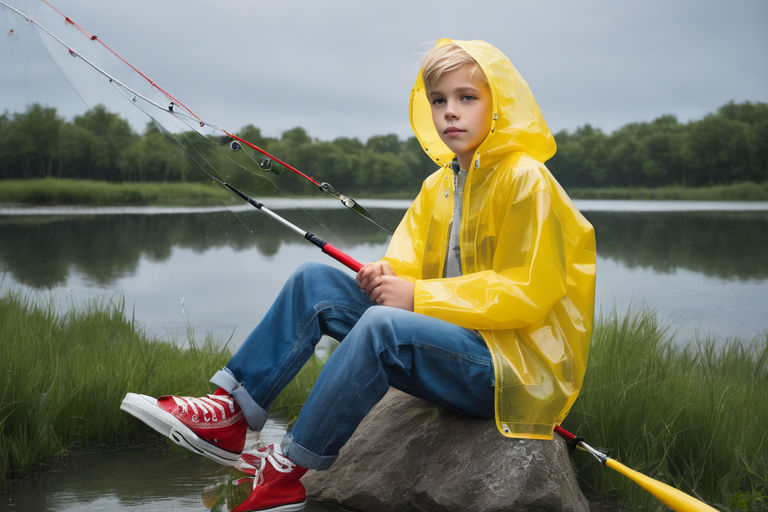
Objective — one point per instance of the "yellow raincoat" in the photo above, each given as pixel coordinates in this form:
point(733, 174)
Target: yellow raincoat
point(527, 254)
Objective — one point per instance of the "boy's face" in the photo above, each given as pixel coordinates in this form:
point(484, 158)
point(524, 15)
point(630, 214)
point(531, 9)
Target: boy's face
point(461, 111)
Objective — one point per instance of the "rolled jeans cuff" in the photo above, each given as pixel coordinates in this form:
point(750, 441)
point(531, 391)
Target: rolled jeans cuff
point(254, 414)
point(304, 457)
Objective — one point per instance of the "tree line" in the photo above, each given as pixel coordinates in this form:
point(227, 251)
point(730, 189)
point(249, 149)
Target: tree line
point(728, 146)
point(100, 145)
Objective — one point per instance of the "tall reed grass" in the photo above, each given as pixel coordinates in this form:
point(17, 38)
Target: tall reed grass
point(64, 375)
point(51, 191)
point(691, 416)
point(746, 191)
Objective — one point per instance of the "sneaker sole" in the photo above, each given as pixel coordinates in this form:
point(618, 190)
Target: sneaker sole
point(145, 408)
point(292, 507)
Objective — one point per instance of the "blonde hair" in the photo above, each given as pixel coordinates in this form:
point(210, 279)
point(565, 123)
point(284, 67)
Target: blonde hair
point(442, 59)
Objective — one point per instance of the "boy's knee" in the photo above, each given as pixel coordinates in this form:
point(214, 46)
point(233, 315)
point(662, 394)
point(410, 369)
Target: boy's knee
point(311, 272)
point(377, 318)
point(371, 332)
point(310, 268)
point(378, 326)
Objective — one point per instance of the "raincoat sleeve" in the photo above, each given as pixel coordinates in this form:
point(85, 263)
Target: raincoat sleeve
point(526, 277)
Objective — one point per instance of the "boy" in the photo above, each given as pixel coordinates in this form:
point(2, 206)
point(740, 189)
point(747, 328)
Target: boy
point(483, 302)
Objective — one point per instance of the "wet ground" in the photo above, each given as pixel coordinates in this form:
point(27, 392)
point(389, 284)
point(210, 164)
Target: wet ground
point(147, 479)
point(130, 479)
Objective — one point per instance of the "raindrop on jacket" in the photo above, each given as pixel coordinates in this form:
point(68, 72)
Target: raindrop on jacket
point(527, 254)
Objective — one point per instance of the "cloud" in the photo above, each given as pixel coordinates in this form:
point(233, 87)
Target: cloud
point(345, 68)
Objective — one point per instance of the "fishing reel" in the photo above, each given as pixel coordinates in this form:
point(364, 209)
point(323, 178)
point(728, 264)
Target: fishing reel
point(345, 200)
point(266, 164)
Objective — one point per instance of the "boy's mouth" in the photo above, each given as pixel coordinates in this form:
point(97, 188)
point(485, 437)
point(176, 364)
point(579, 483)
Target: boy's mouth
point(452, 130)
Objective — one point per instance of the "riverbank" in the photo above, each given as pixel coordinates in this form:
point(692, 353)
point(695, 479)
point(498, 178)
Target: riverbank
point(686, 417)
point(51, 192)
point(734, 192)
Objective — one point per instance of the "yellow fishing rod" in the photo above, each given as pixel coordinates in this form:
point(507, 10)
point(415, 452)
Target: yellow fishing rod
point(673, 498)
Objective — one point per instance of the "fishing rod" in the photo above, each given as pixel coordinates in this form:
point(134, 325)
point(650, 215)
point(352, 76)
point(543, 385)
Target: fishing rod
point(673, 498)
point(327, 248)
point(176, 108)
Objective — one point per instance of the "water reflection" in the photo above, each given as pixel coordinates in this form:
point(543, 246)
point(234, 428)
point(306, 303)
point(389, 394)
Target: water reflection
point(144, 479)
point(131, 480)
point(42, 252)
point(719, 244)
point(219, 271)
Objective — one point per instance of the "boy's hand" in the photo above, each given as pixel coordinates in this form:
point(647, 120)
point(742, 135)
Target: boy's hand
point(382, 285)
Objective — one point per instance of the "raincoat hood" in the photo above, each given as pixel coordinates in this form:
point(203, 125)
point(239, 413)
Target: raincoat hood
point(517, 125)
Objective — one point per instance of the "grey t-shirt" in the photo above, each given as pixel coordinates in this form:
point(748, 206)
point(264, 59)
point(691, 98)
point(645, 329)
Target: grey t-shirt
point(453, 254)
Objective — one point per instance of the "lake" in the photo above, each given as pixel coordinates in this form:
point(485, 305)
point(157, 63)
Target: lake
point(701, 266)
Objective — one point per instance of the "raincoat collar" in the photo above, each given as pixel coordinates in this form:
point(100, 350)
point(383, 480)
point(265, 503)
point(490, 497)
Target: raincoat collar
point(517, 126)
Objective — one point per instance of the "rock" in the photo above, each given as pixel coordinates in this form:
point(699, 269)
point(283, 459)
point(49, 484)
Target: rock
point(409, 454)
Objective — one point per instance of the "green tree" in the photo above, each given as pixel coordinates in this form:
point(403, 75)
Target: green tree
point(716, 148)
point(418, 162)
point(350, 146)
point(151, 157)
point(5, 124)
point(757, 140)
point(730, 145)
point(384, 144)
point(296, 136)
point(113, 136)
point(83, 155)
point(30, 145)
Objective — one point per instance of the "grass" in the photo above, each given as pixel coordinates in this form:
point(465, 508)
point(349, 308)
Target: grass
point(51, 191)
point(735, 192)
point(691, 417)
point(65, 374)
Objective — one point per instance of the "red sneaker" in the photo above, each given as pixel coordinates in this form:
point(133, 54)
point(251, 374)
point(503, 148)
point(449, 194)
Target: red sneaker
point(276, 484)
point(212, 426)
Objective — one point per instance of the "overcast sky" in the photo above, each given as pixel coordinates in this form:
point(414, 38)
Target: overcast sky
point(345, 68)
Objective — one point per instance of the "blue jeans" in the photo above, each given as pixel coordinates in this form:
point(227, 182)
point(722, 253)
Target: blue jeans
point(380, 347)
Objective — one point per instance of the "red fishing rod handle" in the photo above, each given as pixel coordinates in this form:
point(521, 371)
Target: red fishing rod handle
point(573, 441)
point(564, 433)
point(342, 257)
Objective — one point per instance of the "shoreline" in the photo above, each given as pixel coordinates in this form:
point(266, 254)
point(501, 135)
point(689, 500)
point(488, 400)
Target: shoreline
point(320, 203)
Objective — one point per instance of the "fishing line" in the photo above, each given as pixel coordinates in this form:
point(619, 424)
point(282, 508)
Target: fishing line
point(172, 107)
point(199, 159)
point(196, 159)
point(182, 116)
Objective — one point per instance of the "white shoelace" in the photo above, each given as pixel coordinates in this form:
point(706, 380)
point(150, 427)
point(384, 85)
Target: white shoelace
point(207, 406)
point(253, 463)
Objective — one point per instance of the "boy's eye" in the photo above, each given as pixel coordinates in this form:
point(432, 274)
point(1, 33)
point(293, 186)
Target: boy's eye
point(438, 101)
point(468, 97)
